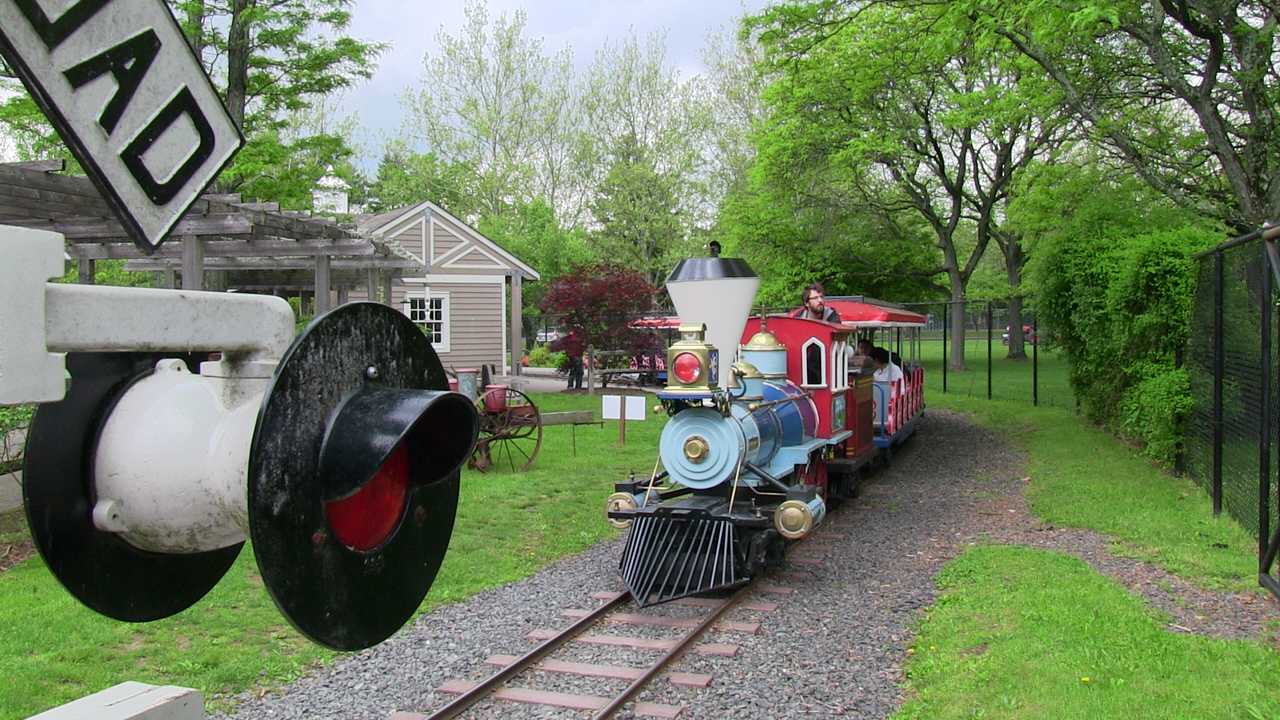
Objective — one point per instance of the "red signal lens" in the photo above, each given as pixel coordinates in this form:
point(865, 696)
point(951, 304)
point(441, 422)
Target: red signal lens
point(365, 520)
point(687, 368)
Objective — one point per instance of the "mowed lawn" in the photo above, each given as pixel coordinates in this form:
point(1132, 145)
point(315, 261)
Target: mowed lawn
point(1010, 379)
point(53, 650)
point(1023, 633)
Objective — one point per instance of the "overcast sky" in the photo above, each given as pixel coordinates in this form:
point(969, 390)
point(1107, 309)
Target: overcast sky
point(581, 25)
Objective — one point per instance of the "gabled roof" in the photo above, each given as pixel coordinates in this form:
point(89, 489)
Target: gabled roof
point(383, 226)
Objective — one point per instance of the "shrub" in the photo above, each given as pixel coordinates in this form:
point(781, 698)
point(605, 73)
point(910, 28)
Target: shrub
point(1153, 410)
point(541, 356)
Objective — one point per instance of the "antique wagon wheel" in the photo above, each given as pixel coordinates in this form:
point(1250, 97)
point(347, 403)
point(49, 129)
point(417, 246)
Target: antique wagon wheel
point(510, 430)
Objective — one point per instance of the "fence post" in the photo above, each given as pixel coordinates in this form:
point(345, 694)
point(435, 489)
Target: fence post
point(988, 349)
point(1264, 429)
point(1218, 369)
point(1035, 363)
point(946, 320)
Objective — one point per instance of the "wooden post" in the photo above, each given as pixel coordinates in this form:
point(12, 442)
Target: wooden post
point(192, 263)
point(342, 295)
point(590, 356)
point(87, 269)
point(372, 282)
point(322, 284)
point(170, 278)
point(386, 289)
point(622, 420)
point(517, 323)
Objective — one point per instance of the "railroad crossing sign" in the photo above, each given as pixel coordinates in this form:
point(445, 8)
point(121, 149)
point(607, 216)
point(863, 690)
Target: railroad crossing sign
point(128, 96)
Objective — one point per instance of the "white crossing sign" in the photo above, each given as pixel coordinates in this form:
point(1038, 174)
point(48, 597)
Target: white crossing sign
point(120, 83)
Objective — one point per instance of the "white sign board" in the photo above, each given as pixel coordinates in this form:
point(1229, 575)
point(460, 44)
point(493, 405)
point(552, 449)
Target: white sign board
point(122, 86)
point(612, 407)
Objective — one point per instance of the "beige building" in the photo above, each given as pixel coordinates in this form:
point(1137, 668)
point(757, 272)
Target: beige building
point(470, 297)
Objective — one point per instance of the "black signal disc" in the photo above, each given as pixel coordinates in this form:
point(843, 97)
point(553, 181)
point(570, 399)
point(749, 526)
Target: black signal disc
point(99, 568)
point(339, 597)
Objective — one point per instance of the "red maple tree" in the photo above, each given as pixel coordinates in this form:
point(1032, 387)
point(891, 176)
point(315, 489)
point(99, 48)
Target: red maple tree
point(598, 300)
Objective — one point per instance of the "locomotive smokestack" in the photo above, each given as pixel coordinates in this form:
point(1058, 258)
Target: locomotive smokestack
point(718, 292)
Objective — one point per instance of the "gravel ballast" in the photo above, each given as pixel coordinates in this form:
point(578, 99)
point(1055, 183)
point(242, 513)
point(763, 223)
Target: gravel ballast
point(834, 647)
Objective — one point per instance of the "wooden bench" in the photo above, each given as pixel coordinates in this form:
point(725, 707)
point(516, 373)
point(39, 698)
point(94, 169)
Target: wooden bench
point(572, 418)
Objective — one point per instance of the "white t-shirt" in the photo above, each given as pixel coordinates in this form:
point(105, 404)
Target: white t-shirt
point(889, 373)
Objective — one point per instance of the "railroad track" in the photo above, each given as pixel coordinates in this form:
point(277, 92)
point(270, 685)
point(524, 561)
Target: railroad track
point(604, 706)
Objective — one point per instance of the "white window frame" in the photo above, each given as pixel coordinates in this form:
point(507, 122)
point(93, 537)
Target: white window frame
point(421, 315)
point(804, 364)
point(840, 365)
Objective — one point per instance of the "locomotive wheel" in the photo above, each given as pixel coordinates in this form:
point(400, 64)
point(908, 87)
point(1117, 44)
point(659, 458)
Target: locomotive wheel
point(510, 431)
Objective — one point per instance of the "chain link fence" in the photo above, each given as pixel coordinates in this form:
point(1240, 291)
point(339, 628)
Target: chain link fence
point(1231, 360)
point(1039, 375)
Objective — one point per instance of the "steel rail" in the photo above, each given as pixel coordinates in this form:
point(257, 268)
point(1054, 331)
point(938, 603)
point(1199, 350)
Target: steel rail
point(479, 692)
point(671, 655)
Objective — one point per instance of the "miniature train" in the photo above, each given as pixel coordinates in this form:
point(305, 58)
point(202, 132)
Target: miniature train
point(759, 444)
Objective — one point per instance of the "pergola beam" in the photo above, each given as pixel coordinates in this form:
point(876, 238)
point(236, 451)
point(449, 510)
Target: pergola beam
point(230, 263)
point(255, 247)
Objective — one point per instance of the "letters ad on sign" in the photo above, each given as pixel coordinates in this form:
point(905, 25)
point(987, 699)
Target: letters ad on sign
point(122, 86)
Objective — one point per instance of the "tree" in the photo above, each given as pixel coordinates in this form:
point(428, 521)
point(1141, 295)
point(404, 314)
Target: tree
point(1185, 93)
point(494, 101)
point(638, 213)
point(894, 100)
point(792, 239)
point(532, 232)
point(405, 177)
point(274, 61)
point(635, 97)
point(598, 301)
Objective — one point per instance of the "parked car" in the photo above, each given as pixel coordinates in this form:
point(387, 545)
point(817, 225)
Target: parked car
point(545, 336)
point(1027, 335)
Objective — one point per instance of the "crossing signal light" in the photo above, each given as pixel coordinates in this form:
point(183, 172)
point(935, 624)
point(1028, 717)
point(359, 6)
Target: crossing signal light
point(342, 466)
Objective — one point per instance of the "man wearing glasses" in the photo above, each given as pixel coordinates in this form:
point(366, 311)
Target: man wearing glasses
point(814, 307)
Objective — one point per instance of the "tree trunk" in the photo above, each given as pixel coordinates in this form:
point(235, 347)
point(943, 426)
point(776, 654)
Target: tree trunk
point(1013, 266)
point(957, 321)
point(195, 28)
point(238, 60)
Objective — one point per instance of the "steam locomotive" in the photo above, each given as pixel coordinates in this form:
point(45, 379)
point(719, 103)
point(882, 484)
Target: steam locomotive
point(761, 442)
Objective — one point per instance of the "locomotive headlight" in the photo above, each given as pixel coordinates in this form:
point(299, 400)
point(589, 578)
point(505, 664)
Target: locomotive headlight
point(618, 502)
point(687, 368)
point(793, 519)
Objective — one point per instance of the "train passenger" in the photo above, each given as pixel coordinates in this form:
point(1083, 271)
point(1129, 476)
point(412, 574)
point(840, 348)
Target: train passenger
point(814, 307)
point(862, 362)
point(885, 369)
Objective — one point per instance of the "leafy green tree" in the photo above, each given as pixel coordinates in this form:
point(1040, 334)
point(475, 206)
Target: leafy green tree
point(407, 178)
point(274, 61)
point(791, 240)
point(896, 100)
point(494, 101)
point(635, 98)
point(1185, 93)
point(1112, 263)
point(638, 212)
point(532, 233)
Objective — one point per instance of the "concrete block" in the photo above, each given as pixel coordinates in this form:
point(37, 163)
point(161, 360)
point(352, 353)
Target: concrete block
point(132, 701)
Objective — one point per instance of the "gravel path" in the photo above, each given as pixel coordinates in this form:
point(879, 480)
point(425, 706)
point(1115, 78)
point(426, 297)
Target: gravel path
point(834, 649)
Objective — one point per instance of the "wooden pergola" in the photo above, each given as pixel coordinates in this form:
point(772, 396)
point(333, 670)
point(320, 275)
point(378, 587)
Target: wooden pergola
point(254, 245)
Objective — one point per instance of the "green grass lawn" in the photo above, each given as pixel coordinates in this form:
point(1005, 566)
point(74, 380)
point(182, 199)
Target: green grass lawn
point(53, 650)
point(1021, 633)
point(1010, 379)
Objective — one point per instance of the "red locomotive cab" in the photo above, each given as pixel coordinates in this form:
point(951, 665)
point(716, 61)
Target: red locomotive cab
point(818, 363)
